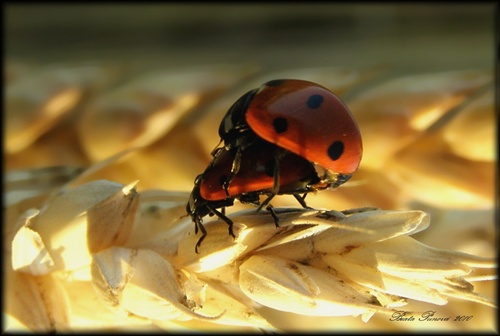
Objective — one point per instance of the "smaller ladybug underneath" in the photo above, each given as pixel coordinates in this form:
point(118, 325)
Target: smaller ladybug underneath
point(286, 137)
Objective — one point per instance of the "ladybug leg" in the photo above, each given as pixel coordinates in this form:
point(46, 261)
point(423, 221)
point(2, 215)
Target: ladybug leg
point(301, 200)
point(266, 202)
point(235, 168)
point(224, 218)
point(199, 225)
point(215, 152)
point(273, 213)
point(276, 183)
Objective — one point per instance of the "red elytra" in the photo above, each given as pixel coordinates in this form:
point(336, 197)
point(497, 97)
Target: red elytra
point(308, 120)
point(256, 173)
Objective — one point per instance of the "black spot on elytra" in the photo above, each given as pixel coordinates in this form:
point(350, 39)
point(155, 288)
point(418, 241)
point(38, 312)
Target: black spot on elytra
point(280, 125)
point(276, 82)
point(314, 101)
point(336, 150)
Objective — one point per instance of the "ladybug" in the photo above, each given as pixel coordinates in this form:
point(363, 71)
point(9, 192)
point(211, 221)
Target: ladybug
point(265, 169)
point(298, 125)
point(300, 116)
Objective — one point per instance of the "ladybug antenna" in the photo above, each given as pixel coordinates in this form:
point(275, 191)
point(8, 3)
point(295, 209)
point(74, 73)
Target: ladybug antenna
point(276, 183)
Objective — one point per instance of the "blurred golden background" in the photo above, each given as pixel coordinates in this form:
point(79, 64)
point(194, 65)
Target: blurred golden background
point(412, 37)
point(85, 82)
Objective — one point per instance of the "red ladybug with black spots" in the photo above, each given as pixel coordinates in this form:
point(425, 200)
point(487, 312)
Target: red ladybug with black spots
point(264, 169)
point(274, 139)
